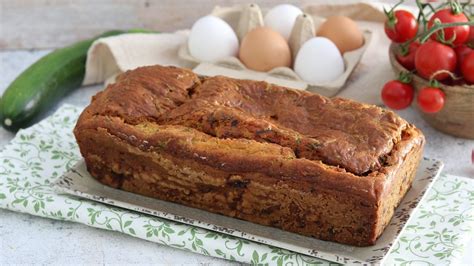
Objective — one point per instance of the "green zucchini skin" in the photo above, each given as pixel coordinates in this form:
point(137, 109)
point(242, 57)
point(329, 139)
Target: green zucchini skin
point(43, 84)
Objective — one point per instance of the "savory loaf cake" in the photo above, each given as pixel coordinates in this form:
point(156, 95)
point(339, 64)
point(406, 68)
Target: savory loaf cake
point(333, 169)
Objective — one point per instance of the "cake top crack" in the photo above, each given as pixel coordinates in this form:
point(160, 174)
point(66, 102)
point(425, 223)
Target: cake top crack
point(338, 132)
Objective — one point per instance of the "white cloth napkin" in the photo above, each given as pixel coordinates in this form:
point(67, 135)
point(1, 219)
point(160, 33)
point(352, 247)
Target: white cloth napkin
point(112, 55)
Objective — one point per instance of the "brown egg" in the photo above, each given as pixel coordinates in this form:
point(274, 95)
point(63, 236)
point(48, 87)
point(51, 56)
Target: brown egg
point(343, 31)
point(263, 49)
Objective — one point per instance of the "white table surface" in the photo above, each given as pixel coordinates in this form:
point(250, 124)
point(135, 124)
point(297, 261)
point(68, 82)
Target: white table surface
point(26, 239)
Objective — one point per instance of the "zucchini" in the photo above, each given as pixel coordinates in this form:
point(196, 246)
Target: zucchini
point(46, 82)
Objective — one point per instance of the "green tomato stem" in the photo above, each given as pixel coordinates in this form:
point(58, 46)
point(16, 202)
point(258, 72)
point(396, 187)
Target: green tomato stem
point(437, 27)
point(391, 19)
point(395, 6)
point(405, 77)
point(434, 83)
point(455, 7)
point(421, 15)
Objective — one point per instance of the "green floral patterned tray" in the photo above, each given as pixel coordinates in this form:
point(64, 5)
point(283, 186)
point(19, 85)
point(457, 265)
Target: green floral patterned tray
point(436, 233)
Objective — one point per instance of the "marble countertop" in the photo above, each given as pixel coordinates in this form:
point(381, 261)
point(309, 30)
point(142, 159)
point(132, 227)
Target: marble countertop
point(26, 239)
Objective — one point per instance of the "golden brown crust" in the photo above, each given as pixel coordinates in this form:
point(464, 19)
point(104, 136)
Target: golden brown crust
point(270, 136)
point(336, 131)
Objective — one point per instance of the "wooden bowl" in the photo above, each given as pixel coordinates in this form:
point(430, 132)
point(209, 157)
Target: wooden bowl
point(457, 116)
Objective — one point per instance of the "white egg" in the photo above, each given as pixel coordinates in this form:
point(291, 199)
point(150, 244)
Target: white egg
point(281, 18)
point(211, 39)
point(319, 61)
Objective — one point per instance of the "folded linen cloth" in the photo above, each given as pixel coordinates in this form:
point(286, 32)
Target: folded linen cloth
point(112, 55)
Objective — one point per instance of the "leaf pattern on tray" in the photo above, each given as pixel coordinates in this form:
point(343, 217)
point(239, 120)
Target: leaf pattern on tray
point(39, 155)
point(440, 227)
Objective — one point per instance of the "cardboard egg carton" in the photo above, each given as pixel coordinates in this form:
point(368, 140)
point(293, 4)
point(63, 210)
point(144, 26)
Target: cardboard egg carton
point(243, 19)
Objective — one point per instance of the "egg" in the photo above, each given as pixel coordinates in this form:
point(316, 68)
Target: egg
point(281, 18)
point(343, 31)
point(319, 61)
point(211, 39)
point(263, 49)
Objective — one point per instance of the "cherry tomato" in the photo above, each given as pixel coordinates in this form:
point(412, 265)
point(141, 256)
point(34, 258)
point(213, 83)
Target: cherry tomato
point(402, 27)
point(459, 33)
point(467, 68)
point(397, 95)
point(408, 60)
point(461, 52)
point(432, 57)
point(431, 100)
point(470, 40)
